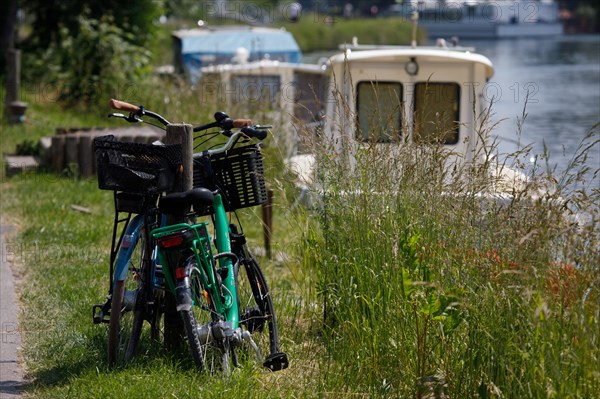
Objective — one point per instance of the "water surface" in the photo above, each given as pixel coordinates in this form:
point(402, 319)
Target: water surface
point(562, 76)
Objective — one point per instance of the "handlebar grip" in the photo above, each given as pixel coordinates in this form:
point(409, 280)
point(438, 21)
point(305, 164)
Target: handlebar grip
point(242, 122)
point(257, 134)
point(123, 106)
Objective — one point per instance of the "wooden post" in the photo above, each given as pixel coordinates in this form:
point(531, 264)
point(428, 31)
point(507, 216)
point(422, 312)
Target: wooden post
point(267, 215)
point(72, 152)
point(86, 158)
point(178, 134)
point(58, 152)
point(14, 110)
point(13, 75)
point(184, 135)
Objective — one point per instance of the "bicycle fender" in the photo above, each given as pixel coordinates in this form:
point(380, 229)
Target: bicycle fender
point(183, 295)
point(130, 238)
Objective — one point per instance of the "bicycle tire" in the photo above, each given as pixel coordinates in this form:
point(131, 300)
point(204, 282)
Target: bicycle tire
point(157, 326)
point(127, 308)
point(208, 354)
point(257, 315)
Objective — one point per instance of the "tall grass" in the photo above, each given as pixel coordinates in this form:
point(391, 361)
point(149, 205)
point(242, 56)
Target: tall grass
point(431, 289)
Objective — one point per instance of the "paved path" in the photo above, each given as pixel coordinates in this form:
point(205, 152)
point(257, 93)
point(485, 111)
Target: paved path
point(11, 375)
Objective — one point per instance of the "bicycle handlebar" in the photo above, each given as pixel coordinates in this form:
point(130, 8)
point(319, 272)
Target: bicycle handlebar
point(256, 133)
point(222, 120)
point(123, 106)
point(247, 131)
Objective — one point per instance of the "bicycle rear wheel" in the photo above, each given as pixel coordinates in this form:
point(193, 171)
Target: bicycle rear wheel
point(257, 316)
point(209, 351)
point(127, 310)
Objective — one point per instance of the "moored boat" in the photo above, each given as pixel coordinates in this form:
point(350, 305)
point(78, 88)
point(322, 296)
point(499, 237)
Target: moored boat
point(472, 19)
point(409, 95)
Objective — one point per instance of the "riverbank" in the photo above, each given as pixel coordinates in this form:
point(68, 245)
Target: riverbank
point(380, 297)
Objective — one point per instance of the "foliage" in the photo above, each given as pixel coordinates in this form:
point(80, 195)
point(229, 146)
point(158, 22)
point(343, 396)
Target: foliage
point(96, 64)
point(205, 9)
point(49, 17)
point(28, 147)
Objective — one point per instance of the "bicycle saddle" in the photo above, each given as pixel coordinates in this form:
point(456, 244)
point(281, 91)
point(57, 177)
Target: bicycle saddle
point(178, 204)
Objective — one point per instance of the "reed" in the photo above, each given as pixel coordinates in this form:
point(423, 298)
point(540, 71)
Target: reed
point(430, 289)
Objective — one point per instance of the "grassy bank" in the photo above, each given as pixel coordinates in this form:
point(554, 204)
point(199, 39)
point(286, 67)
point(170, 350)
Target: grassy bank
point(407, 294)
point(315, 32)
point(63, 265)
point(62, 261)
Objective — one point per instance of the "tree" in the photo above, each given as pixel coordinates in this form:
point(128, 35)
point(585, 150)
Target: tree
point(94, 64)
point(8, 17)
point(89, 48)
point(49, 16)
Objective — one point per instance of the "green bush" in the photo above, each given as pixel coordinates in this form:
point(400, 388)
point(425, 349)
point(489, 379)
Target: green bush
point(97, 63)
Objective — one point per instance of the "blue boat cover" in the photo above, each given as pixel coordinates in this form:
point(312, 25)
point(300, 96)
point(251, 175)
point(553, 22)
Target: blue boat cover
point(199, 48)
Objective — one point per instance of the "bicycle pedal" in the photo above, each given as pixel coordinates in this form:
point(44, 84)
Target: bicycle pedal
point(100, 316)
point(276, 361)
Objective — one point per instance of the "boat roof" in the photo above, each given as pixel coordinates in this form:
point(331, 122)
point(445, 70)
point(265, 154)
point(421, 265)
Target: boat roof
point(263, 65)
point(395, 53)
point(228, 39)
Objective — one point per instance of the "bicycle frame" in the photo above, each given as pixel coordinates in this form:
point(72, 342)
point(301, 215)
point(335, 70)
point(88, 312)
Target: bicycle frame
point(130, 237)
point(226, 303)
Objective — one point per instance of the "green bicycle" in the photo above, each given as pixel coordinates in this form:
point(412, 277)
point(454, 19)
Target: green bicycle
point(220, 291)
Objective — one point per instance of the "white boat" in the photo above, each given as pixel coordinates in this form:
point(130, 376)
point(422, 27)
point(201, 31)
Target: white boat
point(287, 89)
point(407, 94)
point(472, 19)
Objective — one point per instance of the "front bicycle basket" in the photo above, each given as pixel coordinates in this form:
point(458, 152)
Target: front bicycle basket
point(136, 167)
point(237, 173)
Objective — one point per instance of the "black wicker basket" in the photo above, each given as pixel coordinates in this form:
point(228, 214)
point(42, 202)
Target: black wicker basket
point(238, 174)
point(136, 167)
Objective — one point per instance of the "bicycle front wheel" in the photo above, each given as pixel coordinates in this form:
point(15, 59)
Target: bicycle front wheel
point(257, 316)
point(127, 307)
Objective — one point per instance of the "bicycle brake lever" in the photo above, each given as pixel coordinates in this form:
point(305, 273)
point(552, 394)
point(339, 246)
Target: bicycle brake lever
point(131, 118)
point(262, 127)
point(116, 115)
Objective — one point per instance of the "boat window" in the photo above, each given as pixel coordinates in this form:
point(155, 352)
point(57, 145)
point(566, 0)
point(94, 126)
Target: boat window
point(436, 111)
point(379, 111)
point(263, 89)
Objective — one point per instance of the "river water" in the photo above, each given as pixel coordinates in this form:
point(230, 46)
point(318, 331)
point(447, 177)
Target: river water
point(562, 76)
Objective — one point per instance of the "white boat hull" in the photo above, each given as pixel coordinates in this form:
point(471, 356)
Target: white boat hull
point(475, 30)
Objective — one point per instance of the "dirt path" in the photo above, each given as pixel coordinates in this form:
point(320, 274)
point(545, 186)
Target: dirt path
point(11, 374)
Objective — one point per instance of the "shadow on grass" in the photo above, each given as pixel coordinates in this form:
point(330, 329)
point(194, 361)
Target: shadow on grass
point(91, 358)
point(12, 387)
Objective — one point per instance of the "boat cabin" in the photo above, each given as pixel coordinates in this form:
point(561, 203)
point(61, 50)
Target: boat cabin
point(292, 90)
point(391, 95)
point(404, 94)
